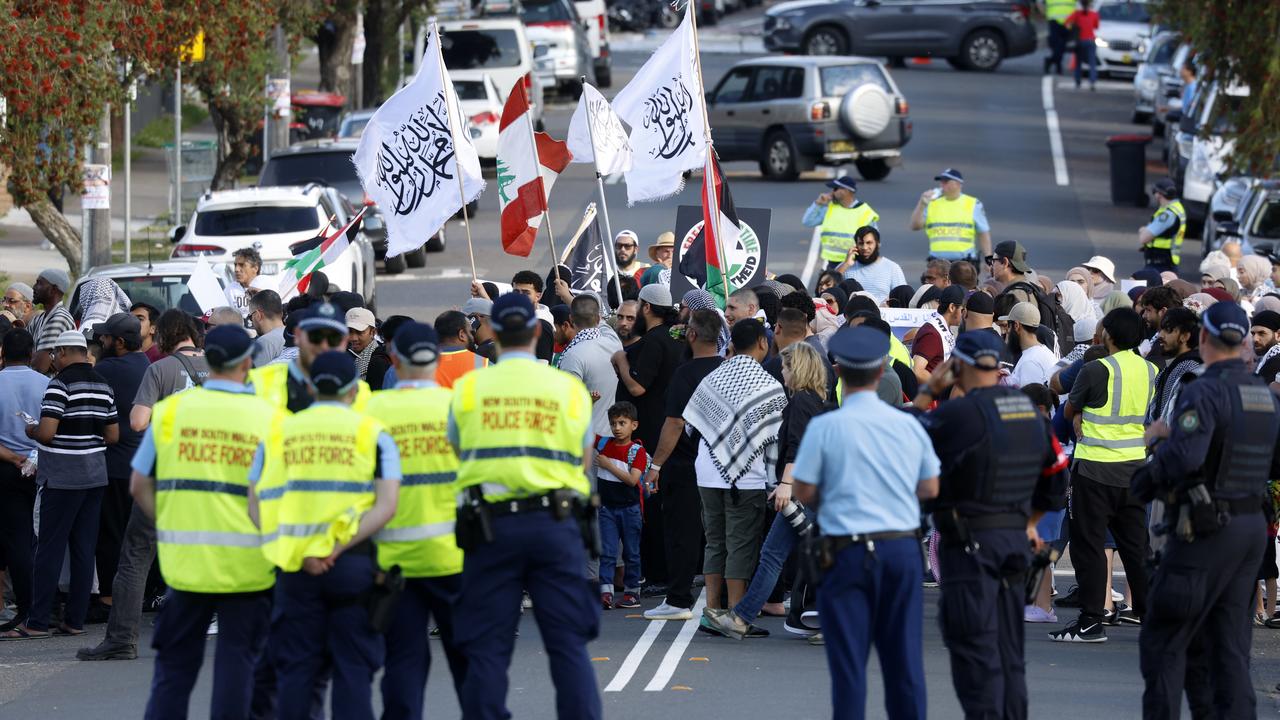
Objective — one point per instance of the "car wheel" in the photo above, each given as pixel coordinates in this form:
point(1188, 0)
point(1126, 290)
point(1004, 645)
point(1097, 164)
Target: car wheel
point(873, 168)
point(778, 161)
point(416, 258)
point(435, 243)
point(982, 50)
point(394, 265)
point(826, 40)
point(604, 76)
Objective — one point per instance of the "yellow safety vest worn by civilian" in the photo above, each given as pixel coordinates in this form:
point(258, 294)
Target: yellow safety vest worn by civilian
point(271, 383)
point(1171, 238)
point(950, 227)
point(521, 430)
point(898, 351)
point(420, 537)
point(205, 442)
point(838, 227)
point(1113, 432)
point(1059, 10)
point(316, 482)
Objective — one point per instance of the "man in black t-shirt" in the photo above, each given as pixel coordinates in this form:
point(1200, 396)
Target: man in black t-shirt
point(644, 373)
point(672, 470)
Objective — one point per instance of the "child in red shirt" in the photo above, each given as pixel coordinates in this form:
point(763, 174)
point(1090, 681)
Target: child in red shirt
point(620, 463)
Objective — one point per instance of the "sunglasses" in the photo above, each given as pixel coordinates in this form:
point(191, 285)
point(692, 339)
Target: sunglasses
point(628, 246)
point(325, 336)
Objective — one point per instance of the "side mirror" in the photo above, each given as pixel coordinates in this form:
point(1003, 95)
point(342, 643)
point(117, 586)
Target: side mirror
point(177, 233)
point(1223, 216)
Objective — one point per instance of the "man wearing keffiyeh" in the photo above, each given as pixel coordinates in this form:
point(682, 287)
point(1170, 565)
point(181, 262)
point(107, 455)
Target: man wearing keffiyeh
point(736, 410)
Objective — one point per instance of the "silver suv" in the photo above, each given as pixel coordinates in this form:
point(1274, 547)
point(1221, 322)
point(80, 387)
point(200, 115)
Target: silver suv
point(794, 112)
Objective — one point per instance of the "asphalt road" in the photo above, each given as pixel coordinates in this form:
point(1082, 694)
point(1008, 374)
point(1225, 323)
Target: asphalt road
point(993, 128)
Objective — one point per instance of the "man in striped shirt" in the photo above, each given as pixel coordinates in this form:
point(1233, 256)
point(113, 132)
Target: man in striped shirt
point(77, 422)
point(50, 288)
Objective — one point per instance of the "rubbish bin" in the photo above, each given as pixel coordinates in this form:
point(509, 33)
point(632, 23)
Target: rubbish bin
point(1128, 169)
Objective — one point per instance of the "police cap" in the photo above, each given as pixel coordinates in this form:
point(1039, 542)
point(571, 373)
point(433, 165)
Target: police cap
point(227, 345)
point(1165, 187)
point(333, 372)
point(979, 349)
point(324, 316)
point(513, 311)
point(416, 343)
point(859, 348)
point(1227, 322)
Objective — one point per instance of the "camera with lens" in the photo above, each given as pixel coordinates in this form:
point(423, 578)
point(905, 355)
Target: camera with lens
point(796, 514)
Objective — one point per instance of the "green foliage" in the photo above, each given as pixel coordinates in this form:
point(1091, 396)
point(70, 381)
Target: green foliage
point(159, 132)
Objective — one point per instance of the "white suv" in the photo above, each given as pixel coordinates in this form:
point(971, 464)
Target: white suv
point(273, 220)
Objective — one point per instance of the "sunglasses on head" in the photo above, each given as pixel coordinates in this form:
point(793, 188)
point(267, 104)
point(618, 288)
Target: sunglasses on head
point(325, 335)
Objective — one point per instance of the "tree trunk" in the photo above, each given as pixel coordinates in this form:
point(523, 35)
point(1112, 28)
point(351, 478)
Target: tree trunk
point(335, 40)
point(374, 55)
point(235, 135)
point(58, 231)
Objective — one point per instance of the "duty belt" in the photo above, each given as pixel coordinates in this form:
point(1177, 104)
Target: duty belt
point(840, 542)
point(537, 503)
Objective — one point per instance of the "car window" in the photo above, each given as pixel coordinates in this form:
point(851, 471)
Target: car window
point(470, 90)
point(257, 220)
point(322, 167)
point(162, 291)
point(840, 79)
point(353, 128)
point(1162, 53)
point(471, 49)
point(1267, 225)
point(774, 83)
point(1125, 12)
point(733, 88)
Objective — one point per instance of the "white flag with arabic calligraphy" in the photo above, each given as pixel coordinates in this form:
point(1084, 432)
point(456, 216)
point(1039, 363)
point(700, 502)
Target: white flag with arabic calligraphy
point(663, 106)
point(597, 135)
point(407, 159)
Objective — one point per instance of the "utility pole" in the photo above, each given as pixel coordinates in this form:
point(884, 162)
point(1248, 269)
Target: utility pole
point(280, 128)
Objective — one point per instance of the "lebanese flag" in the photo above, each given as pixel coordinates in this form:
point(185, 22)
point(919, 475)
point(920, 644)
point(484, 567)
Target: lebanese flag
point(720, 228)
point(312, 255)
point(525, 173)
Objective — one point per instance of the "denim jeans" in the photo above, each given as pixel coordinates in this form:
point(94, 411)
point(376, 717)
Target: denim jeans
point(1087, 52)
point(625, 522)
point(777, 546)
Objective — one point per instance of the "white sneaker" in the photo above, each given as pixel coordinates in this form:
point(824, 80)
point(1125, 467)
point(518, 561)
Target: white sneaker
point(667, 612)
point(1037, 614)
point(1116, 596)
point(213, 627)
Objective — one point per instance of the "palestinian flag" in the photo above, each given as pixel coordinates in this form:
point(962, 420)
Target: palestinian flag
point(312, 255)
point(702, 261)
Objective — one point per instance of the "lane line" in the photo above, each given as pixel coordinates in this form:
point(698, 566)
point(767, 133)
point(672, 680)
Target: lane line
point(1055, 134)
point(676, 651)
point(811, 262)
point(635, 657)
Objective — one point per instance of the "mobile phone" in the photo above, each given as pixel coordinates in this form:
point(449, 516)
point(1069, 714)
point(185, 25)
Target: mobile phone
point(27, 418)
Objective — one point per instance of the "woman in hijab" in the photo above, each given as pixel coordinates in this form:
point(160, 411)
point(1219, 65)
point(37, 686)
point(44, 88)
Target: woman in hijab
point(900, 297)
point(835, 299)
point(850, 286)
point(1115, 299)
point(1254, 273)
point(1197, 302)
point(1082, 277)
point(1076, 303)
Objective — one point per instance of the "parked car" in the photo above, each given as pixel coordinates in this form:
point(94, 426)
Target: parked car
point(160, 283)
point(793, 112)
point(1220, 221)
point(1254, 219)
point(1121, 38)
point(482, 107)
point(273, 220)
point(969, 34)
point(329, 162)
point(595, 22)
point(497, 47)
point(561, 46)
point(1169, 97)
point(1154, 65)
point(1209, 129)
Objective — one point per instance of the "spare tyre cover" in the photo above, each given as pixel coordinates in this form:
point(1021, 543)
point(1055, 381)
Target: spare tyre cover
point(866, 110)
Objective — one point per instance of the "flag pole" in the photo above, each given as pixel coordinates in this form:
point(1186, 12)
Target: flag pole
point(706, 126)
point(610, 258)
point(449, 110)
point(533, 141)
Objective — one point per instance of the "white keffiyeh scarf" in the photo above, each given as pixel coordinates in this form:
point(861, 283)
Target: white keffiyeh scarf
point(948, 340)
point(100, 298)
point(738, 410)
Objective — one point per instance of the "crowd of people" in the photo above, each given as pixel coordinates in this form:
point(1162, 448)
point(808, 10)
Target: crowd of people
point(703, 413)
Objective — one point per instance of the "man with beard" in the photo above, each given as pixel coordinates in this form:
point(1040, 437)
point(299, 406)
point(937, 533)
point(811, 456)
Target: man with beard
point(644, 382)
point(1179, 340)
point(1266, 343)
point(628, 324)
point(45, 328)
point(839, 213)
point(877, 275)
point(1156, 302)
point(934, 340)
point(625, 245)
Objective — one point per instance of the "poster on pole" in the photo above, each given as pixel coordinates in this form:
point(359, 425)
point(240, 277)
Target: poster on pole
point(97, 187)
point(746, 260)
point(279, 97)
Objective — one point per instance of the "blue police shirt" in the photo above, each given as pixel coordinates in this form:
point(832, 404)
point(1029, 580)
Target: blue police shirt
point(866, 460)
point(816, 214)
point(1163, 220)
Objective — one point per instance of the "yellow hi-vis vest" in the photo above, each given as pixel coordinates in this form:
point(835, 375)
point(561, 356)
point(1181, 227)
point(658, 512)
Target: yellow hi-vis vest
point(522, 428)
point(1171, 239)
point(271, 383)
point(1113, 432)
point(420, 537)
point(205, 443)
point(950, 227)
point(1059, 10)
point(898, 351)
point(838, 227)
point(316, 482)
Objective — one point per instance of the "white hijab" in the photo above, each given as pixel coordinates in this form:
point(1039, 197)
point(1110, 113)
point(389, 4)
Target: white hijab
point(1080, 308)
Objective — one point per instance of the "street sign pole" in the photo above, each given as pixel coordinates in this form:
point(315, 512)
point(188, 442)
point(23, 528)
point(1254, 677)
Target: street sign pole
point(177, 146)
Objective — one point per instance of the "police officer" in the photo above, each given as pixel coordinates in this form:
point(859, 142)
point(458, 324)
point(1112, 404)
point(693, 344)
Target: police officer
point(191, 475)
point(953, 221)
point(839, 213)
point(867, 492)
point(1001, 471)
point(1057, 12)
point(419, 539)
point(522, 433)
point(323, 484)
point(1161, 239)
point(1211, 465)
point(285, 385)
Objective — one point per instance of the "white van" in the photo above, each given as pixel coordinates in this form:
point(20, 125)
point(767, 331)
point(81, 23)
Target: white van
point(595, 21)
point(497, 48)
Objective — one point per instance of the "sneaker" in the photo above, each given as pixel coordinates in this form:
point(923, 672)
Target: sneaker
point(1121, 614)
point(797, 627)
point(606, 599)
point(1037, 614)
point(668, 612)
point(1087, 632)
point(108, 651)
point(1071, 599)
point(730, 625)
point(1116, 596)
point(629, 600)
point(755, 631)
point(708, 626)
point(1260, 619)
point(816, 640)
point(810, 617)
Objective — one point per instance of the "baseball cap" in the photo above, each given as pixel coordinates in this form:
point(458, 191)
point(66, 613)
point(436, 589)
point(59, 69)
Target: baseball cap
point(226, 345)
point(57, 278)
point(360, 319)
point(333, 372)
point(846, 182)
point(979, 349)
point(513, 311)
point(477, 306)
point(1102, 265)
point(981, 303)
point(1014, 253)
point(416, 343)
point(629, 234)
point(1165, 187)
point(859, 347)
point(71, 338)
point(121, 325)
point(951, 295)
point(1226, 321)
point(656, 294)
point(1025, 314)
point(322, 316)
point(950, 174)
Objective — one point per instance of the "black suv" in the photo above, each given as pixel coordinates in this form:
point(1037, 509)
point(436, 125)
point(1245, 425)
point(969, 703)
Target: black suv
point(969, 34)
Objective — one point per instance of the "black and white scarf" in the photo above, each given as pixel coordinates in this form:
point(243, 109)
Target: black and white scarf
point(738, 410)
point(581, 338)
point(948, 340)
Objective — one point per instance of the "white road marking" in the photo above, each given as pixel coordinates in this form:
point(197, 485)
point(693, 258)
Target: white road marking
point(635, 657)
point(1055, 134)
point(811, 262)
point(1103, 85)
point(676, 651)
